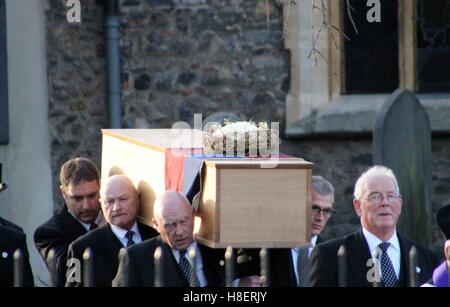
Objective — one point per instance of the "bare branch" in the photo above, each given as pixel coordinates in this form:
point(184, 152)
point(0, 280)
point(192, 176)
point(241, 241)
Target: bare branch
point(350, 8)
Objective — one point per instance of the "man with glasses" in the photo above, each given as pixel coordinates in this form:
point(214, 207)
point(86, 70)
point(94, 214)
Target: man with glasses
point(290, 267)
point(375, 254)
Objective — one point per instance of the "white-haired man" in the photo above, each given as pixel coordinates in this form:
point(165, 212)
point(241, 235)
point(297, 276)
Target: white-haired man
point(375, 253)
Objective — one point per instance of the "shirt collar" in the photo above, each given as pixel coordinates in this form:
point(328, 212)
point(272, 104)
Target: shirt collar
point(314, 241)
point(120, 233)
point(193, 245)
point(311, 245)
point(100, 221)
point(373, 241)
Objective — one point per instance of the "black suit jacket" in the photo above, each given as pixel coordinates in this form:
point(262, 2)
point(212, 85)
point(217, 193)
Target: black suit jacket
point(282, 272)
point(105, 247)
point(57, 234)
point(11, 225)
point(10, 240)
point(324, 271)
point(136, 268)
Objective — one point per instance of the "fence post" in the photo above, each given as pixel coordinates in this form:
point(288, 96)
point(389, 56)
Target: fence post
point(157, 257)
point(265, 276)
point(52, 268)
point(229, 269)
point(342, 267)
point(193, 256)
point(18, 268)
point(88, 268)
point(412, 267)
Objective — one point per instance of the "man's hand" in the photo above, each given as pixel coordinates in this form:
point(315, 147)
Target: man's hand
point(250, 281)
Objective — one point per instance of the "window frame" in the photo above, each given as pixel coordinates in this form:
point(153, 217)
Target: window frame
point(315, 102)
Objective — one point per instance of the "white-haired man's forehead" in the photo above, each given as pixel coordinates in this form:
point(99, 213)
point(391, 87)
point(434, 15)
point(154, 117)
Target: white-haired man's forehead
point(375, 179)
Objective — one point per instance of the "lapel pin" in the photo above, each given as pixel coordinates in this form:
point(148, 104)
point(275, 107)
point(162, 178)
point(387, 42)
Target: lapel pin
point(4, 254)
point(417, 270)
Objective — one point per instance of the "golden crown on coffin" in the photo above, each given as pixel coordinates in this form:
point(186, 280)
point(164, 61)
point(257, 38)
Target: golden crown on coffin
point(236, 138)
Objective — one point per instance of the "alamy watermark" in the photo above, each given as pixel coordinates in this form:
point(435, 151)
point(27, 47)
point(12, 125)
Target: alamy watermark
point(73, 15)
point(374, 13)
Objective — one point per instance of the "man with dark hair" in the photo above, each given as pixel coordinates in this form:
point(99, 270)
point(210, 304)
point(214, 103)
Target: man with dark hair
point(80, 185)
point(120, 204)
point(12, 238)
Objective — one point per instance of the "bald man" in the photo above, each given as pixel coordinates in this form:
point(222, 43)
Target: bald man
point(119, 201)
point(174, 220)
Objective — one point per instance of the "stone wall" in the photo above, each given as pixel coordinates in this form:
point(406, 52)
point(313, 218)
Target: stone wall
point(186, 57)
point(181, 57)
point(76, 85)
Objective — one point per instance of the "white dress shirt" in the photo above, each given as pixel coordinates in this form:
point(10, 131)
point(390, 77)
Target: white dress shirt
point(393, 250)
point(121, 234)
point(198, 262)
point(100, 221)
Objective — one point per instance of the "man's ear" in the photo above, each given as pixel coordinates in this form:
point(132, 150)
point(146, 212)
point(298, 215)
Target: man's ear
point(155, 223)
point(357, 206)
point(63, 193)
point(138, 199)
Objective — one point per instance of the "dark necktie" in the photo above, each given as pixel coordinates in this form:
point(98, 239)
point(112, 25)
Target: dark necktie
point(303, 267)
point(93, 226)
point(129, 236)
point(387, 269)
point(186, 268)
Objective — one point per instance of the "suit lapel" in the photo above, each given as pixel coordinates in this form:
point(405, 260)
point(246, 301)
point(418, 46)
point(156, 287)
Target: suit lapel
point(404, 275)
point(173, 277)
point(71, 225)
point(113, 242)
point(146, 232)
point(287, 271)
point(210, 266)
point(358, 255)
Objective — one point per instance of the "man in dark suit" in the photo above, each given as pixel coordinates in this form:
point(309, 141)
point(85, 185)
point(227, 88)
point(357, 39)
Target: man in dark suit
point(120, 205)
point(11, 225)
point(80, 185)
point(12, 238)
point(375, 254)
point(174, 220)
point(10, 241)
point(290, 267)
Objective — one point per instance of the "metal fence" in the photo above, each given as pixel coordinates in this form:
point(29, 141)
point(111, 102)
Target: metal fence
point(230, 267)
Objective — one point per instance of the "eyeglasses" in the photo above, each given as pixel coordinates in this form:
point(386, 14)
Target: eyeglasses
point(326, 211)
point(377, 198)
